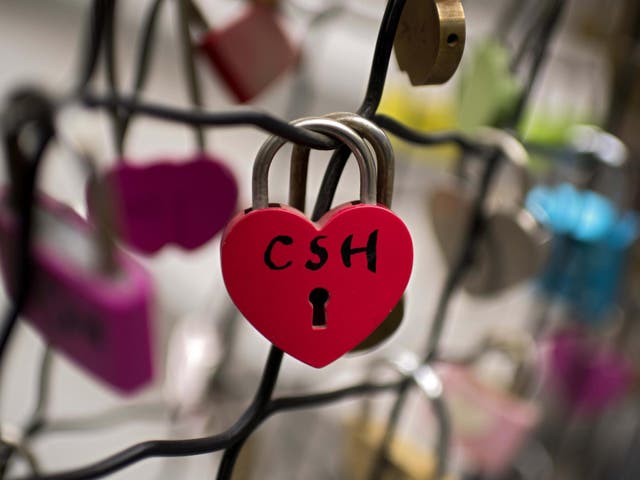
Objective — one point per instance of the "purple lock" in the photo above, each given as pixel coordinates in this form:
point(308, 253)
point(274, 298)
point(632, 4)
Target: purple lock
point(101, 321)
point(589, 377)
point(184, 204)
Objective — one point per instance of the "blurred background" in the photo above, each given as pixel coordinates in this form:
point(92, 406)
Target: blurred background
point(567, 321)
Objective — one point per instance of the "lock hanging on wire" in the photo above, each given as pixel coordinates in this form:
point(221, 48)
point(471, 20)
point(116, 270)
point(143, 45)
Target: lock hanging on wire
point(430, 40)
point(513, 245)
point(251, 52)
point(88, 299)
point(316, 290)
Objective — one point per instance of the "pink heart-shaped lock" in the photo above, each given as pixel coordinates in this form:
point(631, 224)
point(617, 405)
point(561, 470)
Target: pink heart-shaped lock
point(180, 203)
point(316, 290)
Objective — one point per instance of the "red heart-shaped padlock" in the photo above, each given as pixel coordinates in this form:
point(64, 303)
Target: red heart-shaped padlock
point(354, 264)
point(316, 290)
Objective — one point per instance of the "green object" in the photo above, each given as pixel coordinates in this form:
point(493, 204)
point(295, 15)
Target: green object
point(488, 89)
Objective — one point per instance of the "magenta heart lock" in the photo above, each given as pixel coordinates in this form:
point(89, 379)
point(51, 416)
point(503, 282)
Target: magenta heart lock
point(316, 289)
point(102, 322)
point(170, 203)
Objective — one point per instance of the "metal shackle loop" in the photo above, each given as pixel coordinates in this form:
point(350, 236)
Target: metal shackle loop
point(327, 126)
point(381, 147)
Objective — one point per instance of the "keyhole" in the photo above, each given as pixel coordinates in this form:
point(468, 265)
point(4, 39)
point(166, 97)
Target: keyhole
point(318, 298)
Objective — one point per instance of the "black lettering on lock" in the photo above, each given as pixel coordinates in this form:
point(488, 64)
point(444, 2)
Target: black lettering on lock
point(320, 252)
point(85, 326)
point(347, 251)
point(285, 240)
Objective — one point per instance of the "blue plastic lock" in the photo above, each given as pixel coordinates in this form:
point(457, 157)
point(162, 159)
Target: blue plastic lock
point(589, 249)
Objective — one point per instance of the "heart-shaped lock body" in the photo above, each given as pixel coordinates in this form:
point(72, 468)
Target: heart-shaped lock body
point(506, 252)
point(316, 290)
point(180, 203)
point(512, 246)
point(100, 321)
point(251, 52)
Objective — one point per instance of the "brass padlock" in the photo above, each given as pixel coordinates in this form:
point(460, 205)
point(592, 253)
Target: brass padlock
point(430, 40)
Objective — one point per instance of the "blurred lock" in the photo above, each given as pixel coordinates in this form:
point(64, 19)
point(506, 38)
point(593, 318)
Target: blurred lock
point(88, 299)
point(589, 376)
point(251, 52)
point(484, 414)
point(169, 202)
point(488, 89)
point(513, 245)
point(100, 319)
point(589, 250)
point(490, 425)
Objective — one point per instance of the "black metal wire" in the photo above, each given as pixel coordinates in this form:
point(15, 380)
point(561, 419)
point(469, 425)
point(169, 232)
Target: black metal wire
point(200, 446)
point(111, 73)
point(429, 139)
point(189, 67)
point(91, 52)
point(234, 118)
point(369, 106)
point(25, 110)
point(143, 60)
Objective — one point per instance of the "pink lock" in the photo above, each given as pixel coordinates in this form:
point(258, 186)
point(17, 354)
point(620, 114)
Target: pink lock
point(490, 425)
point(101, 321)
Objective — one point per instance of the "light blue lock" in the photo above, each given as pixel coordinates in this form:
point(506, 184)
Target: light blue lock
point(589, 248)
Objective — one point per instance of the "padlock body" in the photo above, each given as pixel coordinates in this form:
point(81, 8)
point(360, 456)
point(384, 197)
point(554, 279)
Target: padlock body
point(489, 425)
point(430, 40)
point(251, 52)
point(588, 377)
point(275, 259)
point(100, 322)
point(169, 202)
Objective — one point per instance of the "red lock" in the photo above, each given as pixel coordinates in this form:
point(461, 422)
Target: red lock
point(251, 52)
point(316, 290)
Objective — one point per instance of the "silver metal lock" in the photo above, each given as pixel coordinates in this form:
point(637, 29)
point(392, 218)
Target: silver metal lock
point(513, 246)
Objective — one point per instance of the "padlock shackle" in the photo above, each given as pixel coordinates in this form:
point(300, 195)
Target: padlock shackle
point(382, 148)
point(332, 128)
